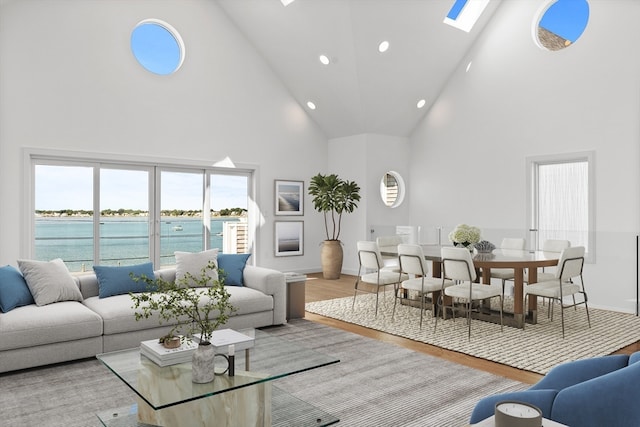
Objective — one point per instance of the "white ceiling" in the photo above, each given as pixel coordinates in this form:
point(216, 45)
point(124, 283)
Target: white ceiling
point(362, 90)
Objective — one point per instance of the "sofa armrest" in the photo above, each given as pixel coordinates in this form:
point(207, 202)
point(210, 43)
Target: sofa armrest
point(608, 400)
point(543, 399)
point(270, 282)
point(575, 372)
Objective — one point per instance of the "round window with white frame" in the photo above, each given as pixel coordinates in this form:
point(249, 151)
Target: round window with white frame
point(560, 23)
point(392, 189)
point(157, 46)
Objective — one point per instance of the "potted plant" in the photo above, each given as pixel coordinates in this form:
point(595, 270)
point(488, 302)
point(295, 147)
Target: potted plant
point(333, 197)
point(197, 305)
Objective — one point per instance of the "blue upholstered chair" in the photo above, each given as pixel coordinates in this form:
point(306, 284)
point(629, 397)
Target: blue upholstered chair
point(596, 392)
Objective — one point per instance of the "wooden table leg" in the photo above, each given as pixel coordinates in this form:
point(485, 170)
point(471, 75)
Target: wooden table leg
point(436, 271)
point(533, 302)
point(518, 297)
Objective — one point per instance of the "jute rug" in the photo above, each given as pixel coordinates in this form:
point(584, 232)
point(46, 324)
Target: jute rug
point(537, 349)
point(375, 384)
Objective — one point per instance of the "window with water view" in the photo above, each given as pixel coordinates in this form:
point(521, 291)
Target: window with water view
point(145, 213)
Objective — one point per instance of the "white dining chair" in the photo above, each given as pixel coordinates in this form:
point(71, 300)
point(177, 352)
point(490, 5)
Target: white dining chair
point(562, 285)
point(372, 273)
point(413, 263)
point(389, 242)
point(549, 245)
point(457, 265)
point(505, 274)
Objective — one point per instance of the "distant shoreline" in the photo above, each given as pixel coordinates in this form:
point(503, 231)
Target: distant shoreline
point(180, 217)
point(214, 214)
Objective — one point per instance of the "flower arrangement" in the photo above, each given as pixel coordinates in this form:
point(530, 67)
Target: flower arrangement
point(465, 235)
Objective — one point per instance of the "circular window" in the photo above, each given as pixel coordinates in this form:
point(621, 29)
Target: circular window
point(392, 189)
point(561, 23)
point(157, 46)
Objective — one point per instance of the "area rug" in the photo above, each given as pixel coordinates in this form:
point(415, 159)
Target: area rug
point(537, 348)
point(374, 384)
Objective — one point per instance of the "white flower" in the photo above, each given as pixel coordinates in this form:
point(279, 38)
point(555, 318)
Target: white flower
point(464, 233)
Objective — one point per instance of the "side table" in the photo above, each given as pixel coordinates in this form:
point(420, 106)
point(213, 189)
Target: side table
point(295, 295)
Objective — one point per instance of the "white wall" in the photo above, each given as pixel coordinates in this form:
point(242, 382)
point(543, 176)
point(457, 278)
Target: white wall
point(364, 159)
point(68, 81)
point(468, 156)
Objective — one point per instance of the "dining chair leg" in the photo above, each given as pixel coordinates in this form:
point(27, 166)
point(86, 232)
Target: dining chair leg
point(586, 307)
point(501, 308)
point(395, 301)
point(469, 317)
point(435, 324)
point(524, 319)
point(421, 308)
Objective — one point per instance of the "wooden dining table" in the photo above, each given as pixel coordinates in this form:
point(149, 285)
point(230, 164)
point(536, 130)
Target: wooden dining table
point(518, 260)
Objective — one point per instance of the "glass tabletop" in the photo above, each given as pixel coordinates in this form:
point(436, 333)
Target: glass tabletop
point(271, 357)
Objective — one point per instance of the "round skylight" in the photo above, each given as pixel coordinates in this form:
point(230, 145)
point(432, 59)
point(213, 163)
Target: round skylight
point(561, 23)
point(157, 46)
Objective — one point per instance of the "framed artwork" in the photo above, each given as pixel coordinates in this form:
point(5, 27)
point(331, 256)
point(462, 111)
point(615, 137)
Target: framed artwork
point(289, 238)
point(289, 197)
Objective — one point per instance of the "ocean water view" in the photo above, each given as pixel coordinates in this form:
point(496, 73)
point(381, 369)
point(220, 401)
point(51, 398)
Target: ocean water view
point(123, 240)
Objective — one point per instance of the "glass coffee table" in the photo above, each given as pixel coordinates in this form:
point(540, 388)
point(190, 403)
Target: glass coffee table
point(167, 397)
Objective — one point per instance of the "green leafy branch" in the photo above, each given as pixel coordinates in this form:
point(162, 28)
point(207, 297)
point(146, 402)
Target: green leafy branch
point(198, 304)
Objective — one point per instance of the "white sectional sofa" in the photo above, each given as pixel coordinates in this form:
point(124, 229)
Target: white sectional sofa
point(39, 335)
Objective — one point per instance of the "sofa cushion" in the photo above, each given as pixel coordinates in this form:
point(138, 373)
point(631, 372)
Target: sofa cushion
point(14, 291)
point(194, 262)
point(118, 314)
point(31, 325)
point(246, 300)
point(117, 280)
point(50, 281)
point(232, 266)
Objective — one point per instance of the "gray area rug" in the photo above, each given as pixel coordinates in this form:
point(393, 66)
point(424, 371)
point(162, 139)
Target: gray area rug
point(375, 384)
point(537, 349)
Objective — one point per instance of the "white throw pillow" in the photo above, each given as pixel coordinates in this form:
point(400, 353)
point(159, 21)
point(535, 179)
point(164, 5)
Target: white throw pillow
point(193, 263)
point(50, 281)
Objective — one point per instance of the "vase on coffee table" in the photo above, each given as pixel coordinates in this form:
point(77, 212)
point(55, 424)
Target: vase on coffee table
point(202, 365)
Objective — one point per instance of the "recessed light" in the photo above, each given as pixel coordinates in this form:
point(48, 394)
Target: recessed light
point(311, 105)
point(324, 59)
point(421, 103)
point(382, 47)
point(468, 66)
point(286, 3)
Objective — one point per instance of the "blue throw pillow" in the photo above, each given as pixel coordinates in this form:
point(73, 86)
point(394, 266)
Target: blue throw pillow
point(14, 291)
point(233, 266)
point(117, 280)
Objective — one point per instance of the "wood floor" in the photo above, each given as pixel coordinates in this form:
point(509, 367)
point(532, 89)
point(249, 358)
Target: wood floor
point(318, 289)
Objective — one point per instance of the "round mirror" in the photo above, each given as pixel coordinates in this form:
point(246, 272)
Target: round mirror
point(392, 189)
point(561, 23)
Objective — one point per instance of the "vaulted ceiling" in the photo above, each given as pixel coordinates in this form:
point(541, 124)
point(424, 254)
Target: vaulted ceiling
point(361, 90)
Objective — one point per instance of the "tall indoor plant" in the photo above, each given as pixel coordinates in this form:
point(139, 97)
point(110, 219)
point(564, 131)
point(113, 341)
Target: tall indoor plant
point(333, 196)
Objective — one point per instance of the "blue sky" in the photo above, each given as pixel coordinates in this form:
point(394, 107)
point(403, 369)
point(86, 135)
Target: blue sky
point(71, 188)
point(566, 18)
